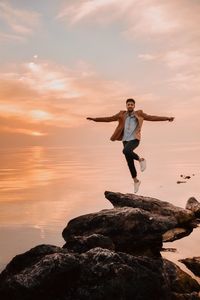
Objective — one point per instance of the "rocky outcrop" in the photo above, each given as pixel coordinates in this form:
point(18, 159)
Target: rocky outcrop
point(154, 206)
point(132, 230)
point(194, 206)
point(182, 220)
point(49, 273)
point(193, 264)
point(111, 254)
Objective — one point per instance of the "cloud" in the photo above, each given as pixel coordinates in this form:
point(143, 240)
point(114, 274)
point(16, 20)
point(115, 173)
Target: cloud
point(151, 19)
point(11, 37)
point(169, 29)
point(183, 65)
point(174, 59)
point(42, 97)
point(99, 11)
point(187, 82)
point(18, 23)
point(23, 131)
point(148, 57)
point(138, 19)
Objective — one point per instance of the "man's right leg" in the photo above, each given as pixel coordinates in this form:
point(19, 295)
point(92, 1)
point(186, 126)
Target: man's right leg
point(131, 156)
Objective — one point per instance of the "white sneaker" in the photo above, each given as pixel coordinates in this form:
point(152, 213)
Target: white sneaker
point(136, 186)
point(143, 164)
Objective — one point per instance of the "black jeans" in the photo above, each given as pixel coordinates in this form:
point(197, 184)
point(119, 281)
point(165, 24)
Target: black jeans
point(130, 155)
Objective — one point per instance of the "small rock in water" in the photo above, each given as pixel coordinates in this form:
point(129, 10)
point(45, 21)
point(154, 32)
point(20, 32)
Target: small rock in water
point(180, 181)
point(193, 264)
point(169, 250)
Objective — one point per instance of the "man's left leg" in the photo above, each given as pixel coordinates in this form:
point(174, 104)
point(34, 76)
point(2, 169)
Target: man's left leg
point(130, 155)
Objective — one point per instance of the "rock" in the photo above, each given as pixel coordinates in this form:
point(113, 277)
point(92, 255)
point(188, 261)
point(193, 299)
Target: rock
point(193, 264)
point(194, 206)
point(96, 274)
point(37, 273)
point(84, 243)
point(176, 234)
point(137, 225)
point(111, 254)
point(29, 258)
point(180, 181)
point(169, 250)
point(155, 206)
point(186, 176)
point(132, 230)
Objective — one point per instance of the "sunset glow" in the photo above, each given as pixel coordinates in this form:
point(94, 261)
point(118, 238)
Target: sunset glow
point(64, 63)
point(35, 133)
point(148, 50)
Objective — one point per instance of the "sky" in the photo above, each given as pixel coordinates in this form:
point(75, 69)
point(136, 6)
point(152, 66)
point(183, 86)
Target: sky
point(63, 61)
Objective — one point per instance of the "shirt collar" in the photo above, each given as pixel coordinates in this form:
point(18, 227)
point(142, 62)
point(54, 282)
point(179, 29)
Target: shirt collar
point(130, 115)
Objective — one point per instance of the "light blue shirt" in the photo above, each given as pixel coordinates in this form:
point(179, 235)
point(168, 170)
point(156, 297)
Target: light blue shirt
point(131, 123)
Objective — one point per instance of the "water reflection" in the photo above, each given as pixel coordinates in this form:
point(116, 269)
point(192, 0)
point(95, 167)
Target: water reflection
point(34, 166)
point(42, 188)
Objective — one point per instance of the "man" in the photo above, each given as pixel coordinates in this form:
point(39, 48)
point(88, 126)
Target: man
point(129, 132)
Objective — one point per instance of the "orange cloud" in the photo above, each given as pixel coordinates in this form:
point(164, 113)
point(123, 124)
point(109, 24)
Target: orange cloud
point(22, 131)
point(41, 97)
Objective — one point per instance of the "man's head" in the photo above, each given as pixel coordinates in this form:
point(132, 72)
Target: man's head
point(130, 104)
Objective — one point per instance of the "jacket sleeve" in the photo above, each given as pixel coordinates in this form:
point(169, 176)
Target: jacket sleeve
point(153, 118)
point(107, 119)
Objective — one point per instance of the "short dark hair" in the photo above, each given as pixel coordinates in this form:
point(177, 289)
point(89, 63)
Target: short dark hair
point(130, 100)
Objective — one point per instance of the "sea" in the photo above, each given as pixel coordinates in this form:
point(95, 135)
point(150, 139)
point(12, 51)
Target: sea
point(43, 188)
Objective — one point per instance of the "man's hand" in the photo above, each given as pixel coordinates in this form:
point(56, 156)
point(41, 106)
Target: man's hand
point(171, 119)
point(90, 119)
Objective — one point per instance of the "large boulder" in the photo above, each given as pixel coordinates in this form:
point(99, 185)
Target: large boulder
point(96, 274)
point(131, 230)
point(155, 206)
point(184, 220)
point(143, 222)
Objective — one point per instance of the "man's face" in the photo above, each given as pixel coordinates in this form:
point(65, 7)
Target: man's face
point(130, 106)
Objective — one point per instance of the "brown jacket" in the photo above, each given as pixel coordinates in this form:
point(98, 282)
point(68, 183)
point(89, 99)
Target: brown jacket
point(121, 116)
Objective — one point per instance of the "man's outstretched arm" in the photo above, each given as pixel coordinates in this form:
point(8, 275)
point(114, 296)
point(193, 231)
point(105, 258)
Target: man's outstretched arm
point(105, 119)
point(156, 118)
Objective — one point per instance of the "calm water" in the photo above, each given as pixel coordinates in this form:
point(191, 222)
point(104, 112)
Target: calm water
point(41, 189)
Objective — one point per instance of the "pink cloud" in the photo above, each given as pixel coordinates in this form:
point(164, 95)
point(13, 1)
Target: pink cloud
point(11, 37)
point(104, 11)
point(20, 22)
point(139, 19)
